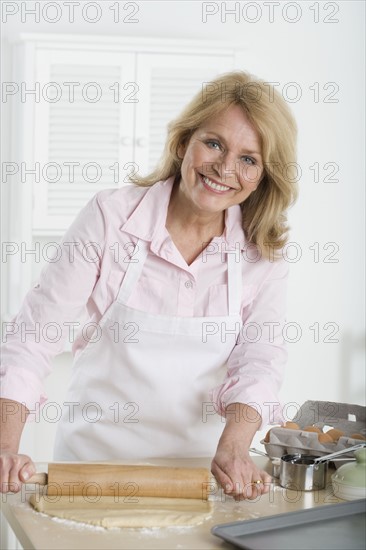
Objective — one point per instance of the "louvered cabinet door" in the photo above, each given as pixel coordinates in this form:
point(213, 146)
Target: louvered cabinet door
point(83, 125)
point(167, 82)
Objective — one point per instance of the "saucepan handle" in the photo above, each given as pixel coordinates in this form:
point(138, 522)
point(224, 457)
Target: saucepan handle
point(325, 458)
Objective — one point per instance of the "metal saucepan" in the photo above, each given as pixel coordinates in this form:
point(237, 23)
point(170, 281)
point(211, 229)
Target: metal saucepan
point(306, 472)
point(301, 472)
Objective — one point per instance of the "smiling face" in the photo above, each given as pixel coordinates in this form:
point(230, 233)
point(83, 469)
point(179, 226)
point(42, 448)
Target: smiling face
point(222, 163)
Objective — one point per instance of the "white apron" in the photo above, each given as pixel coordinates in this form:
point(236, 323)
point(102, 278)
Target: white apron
point(143, 391)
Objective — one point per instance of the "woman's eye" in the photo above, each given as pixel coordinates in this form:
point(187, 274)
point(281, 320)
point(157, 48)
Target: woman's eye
point(250, 160)
point(213, 144)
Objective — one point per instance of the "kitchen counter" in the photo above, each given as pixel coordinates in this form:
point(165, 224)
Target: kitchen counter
point(38, 531)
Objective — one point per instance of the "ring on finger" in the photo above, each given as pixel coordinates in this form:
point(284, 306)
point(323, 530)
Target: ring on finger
point(257, 482)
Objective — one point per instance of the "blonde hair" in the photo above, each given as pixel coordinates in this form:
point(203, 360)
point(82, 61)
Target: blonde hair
point(264, 211)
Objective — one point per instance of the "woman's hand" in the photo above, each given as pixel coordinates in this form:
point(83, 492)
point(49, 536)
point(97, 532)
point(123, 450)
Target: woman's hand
point(235, 471)
point(15, 469)
point(232, 466)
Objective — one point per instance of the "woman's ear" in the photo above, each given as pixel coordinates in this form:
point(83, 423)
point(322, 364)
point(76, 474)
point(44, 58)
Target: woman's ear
point(181, 151)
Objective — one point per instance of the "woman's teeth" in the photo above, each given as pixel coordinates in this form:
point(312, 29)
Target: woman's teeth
point(213, 185)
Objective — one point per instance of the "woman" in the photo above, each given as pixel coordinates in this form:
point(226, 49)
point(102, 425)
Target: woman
point(185, 290)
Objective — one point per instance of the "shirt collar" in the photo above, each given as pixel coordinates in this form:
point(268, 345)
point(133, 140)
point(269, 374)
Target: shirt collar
point(147, 222)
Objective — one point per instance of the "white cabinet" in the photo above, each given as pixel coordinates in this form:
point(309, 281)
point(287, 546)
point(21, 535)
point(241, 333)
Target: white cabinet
point(99, 111)
point(83, 126)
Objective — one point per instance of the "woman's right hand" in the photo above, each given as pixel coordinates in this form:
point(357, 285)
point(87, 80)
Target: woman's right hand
point(15, 469)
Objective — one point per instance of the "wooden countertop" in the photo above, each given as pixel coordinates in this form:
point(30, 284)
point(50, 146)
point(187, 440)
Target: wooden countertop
point(40, 532)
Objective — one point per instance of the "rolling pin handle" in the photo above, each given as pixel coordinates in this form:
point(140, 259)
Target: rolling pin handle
point(40, 479)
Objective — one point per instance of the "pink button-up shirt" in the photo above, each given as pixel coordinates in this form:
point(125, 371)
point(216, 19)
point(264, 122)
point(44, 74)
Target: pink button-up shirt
point(75, 290)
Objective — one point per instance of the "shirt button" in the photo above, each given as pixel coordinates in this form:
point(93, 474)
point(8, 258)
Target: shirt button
point(188, 284)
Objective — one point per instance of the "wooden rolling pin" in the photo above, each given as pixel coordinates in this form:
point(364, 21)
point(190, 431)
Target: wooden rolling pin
point(92, 480)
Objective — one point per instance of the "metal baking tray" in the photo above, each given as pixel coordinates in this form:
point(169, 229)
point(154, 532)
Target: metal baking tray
point(335, 527)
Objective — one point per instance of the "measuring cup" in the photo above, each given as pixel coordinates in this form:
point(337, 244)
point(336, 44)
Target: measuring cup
point(307, 472)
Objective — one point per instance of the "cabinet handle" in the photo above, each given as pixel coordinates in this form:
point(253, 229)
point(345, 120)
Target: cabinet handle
point(141, 142)
point(126, 141)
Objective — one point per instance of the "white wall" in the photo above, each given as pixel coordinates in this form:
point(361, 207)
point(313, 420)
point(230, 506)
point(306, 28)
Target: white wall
point(304, 52)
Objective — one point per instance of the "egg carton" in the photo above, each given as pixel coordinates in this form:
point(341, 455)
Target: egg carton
point(350, 419)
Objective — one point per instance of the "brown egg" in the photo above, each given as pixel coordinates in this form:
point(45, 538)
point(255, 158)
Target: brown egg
point(358, 436)
point(291, 426)
point(312, 429)
point(266, 439)
point(335, 434)
point(325, 438)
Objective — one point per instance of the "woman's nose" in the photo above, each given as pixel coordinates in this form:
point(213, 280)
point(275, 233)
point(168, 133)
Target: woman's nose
point(227, 168)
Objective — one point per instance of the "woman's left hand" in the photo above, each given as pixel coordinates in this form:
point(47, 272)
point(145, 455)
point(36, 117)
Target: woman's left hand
point(238, 475)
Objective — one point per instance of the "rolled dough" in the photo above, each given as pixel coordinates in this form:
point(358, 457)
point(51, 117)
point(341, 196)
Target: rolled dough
point(126, 511)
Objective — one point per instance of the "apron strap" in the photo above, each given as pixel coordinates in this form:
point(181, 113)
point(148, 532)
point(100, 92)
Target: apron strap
point(235, 282)
point(133, 271)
